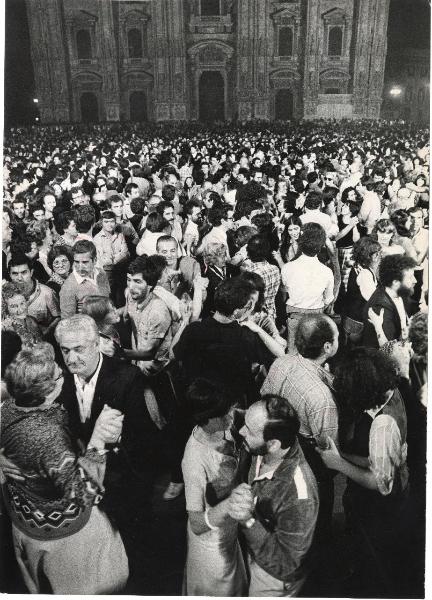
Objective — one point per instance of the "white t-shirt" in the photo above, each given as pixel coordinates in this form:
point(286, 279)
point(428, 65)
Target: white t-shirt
point(308, 282)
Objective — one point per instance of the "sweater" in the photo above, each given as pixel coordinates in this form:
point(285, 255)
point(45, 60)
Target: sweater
point(60, 488)
point(73, 293)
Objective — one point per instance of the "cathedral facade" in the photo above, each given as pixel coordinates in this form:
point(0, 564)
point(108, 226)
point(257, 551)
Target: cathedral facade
point(162, 60)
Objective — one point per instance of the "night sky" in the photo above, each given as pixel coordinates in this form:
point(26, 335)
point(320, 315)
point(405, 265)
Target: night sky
point(409, 26)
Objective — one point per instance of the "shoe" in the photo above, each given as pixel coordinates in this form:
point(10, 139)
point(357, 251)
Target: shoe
point(173, 491)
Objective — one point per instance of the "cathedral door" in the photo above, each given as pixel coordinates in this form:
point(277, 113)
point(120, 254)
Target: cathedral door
point(138, 106)
point(284, 104)
point(89, 108)
point(211, 96)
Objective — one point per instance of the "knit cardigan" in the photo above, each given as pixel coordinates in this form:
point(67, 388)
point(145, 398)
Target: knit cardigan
point(60, 487)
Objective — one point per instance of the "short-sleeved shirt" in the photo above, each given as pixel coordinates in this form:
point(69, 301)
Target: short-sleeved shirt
point(307, 387)
point(43, 305)
point(272, 278)
point(308, 282)
point(151, 319)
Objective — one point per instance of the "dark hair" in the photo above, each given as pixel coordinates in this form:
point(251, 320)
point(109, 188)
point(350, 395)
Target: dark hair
point(129, 187)
point(345, 193)
point(232, 294)
point(207, 400)
point(216, 214)
point(313, 200)
point(165, 238)
point(11, 344)
point(160, 208)
point(62, 220)
point(258, 282)
point(114, 198)
point(84, 217)
point(312, 239)
point(285, 238)
point(282, 423)
point(84, 246)
point(312, 333)
point(137, 205)
point(243, 234)
point(392, 268)
point(363, 377)
point(19, 258)
point(168, 192)
point(244, 208)
point(108, 214)
point(399, 219)
point(364, 250)
point(155, 222)
point(418, 334)
point(258, 248)
point(150, 267)
point(190, 204)
point(57, 251)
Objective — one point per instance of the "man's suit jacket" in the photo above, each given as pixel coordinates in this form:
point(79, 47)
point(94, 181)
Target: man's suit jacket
point(391, 324)
point(120, 386)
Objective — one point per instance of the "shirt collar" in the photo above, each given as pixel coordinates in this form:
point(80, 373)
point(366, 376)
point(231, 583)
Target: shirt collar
point(80, 279)
point(92, 382)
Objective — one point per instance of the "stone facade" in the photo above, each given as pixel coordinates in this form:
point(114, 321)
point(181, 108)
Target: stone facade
point(161, 60)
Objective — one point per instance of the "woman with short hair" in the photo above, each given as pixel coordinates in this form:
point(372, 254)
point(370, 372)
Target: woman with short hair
point(64, 543)
point(60, 261)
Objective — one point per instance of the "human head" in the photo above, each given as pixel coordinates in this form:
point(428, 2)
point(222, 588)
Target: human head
point(384, 231)
point(243, 234)
point(78, 197)
point(10, 346)
point(418, 335)
point(65, 223)
point(156, 223)
point(416, 218)
point(101, 309)
point(312, 239)
point(115, 204)
point(364, 377)
point(108, 221)
point(84, 258)
point(366, 252)
point(40, 233)
point(21, 272)
point(397, 273)
point(131, 191)
point(19, 207)
point(313, 201)
point(317, 337)
point(167, 247)
point(258, 282)
point(233, 298)
point(401, 219)
point(143, 275)
point(258, 248)
point(215, 254)
point(36, 211)
point(78, 338)
point(14, 300)
point(271, 425)
point(84, 218)
point(221, 216)
point(60, 260)
point(166, 209)
point(48, 201)
point(193, 210)
point(208, 400)
point(34, 376)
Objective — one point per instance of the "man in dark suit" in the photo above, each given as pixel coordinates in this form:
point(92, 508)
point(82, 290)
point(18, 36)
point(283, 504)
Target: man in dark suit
point(396, 275)
point(92, 382)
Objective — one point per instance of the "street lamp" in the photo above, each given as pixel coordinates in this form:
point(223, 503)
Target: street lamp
point(395, 91)
point(35, 100)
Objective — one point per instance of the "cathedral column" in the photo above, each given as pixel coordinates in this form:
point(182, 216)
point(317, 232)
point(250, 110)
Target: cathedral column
point(170, 60)
point(48, 57)
point(370, 54)
point(311, 60)
point(109, 62)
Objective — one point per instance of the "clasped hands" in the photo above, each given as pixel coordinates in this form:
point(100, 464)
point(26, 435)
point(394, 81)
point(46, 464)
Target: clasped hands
point(241, 503)
point(108, 427)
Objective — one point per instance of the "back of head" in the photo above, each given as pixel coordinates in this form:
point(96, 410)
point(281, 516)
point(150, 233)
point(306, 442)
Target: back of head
point(258, 248)
point(282, 423)
point(231, 295)
point(312, 239)
point(84, 218)
point(207, 400)
point(96, 307)
point(313, 201)
point(312, 333)
point(155, 223)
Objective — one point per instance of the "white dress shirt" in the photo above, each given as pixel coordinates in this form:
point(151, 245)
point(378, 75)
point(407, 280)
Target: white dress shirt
point(85, 392)
point(308, 282)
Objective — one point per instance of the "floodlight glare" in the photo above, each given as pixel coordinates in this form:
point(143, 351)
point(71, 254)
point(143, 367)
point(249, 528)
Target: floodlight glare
point(395, 91)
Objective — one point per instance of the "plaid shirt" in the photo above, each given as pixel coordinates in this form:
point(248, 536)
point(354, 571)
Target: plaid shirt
point(272, 278)
point(307, 387)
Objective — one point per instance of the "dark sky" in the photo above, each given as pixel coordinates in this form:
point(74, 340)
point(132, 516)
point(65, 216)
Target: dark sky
point(409, 26)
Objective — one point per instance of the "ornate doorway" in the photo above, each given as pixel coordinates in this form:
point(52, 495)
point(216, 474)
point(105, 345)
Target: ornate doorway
point(89, 107)
point(284, 104)
point(138, 106)
point(211, 96)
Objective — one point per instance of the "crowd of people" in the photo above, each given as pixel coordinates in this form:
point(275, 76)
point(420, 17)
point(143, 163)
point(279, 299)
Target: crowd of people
point(253, 295)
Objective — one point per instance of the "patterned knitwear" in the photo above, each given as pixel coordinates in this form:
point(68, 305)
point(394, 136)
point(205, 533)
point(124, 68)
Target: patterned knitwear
point(60, 487)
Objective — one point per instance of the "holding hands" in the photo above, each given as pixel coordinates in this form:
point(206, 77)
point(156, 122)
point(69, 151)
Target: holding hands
point(241, 503)
point(108, 427)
